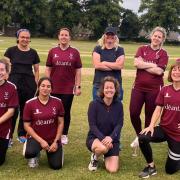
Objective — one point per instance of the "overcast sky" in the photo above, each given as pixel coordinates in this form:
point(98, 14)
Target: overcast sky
point(132, 5)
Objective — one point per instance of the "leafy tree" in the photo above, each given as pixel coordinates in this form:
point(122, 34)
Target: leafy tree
point(130, 25)
point(165, 13)
point(98, 14)
point(5, 13)
point(62, 13)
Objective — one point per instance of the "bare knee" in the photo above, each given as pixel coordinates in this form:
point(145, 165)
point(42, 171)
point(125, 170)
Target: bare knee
point(112, 169)
point(100, 150)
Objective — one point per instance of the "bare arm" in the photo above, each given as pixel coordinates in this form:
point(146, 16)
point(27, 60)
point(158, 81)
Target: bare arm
point(48, 71)
point(77, 89)
point(36, 72)
point(155, 117)
point(9, 113)
point(155, 70)
point(117, 65)
point(98, 64)
point(140, 64)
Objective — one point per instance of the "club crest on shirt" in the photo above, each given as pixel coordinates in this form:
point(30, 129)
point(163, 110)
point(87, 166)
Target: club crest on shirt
point(70, 56)
point(56, 56)
point(37, 111)
point(54, 110)
point(167, 95)
point(6, 95)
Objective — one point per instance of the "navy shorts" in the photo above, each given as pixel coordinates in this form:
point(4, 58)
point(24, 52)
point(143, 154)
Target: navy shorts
point(112, 152)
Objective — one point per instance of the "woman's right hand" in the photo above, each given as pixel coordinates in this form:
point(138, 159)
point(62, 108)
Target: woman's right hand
point(147, 130)
point(44, 145)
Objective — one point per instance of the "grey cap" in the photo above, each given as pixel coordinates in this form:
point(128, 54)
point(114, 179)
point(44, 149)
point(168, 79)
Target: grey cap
point(110, 30)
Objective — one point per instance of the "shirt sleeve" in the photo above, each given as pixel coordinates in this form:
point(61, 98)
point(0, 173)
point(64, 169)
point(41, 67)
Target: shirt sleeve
point(27, 113)
point(36, 59)
point(49, 59)
point(97, 49)
point(92, 121)
point(61, 109)
point(78, 63)
point(139, 52)
point(163, 60)
point(8, 53)
point(13, 102)
point(120, 51)
point(115, 135)
point(160, 98)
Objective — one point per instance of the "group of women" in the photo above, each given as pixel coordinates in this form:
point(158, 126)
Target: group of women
point(49, 110)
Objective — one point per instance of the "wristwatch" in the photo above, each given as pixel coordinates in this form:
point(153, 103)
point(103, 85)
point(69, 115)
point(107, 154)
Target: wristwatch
point(79, 87)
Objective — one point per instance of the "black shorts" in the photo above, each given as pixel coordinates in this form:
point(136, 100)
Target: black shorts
point(112, 152)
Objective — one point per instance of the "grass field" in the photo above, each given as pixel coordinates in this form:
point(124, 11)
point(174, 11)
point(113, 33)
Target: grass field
point(76, 154)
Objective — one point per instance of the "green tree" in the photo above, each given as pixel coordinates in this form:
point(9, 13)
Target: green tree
point(62, 13)
point(130, 25)
point(30, 14)
point(165, 13)
point(98, 14)
point(5, 13)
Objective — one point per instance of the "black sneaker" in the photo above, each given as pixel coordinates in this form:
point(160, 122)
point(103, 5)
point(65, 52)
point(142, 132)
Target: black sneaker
point(148, 171)
point(93, 163)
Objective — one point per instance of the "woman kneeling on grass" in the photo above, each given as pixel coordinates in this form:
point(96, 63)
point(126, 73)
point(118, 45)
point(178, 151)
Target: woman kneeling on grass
point(168, 107)
point(43, 121)
point(105, 116)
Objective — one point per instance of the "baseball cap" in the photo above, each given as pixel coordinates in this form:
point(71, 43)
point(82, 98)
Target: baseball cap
point(110, 30)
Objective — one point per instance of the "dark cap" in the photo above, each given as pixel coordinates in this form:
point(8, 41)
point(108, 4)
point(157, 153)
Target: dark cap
point(110, 30)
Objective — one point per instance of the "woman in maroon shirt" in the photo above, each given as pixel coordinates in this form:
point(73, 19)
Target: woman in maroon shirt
point(63, 67)
point(8, 102)
point(151, 61)
point(43, 121)
point(168, 110)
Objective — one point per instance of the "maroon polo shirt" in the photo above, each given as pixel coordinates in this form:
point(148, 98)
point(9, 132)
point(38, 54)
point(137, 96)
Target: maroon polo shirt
point(44, 118)
point(64, 64)
point(146, 81)
point(8, 99)
point(169, 99)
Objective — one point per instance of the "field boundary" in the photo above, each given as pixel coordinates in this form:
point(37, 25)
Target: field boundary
point(90, 71)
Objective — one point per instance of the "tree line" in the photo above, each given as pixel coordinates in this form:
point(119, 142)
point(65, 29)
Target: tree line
point(45, 17)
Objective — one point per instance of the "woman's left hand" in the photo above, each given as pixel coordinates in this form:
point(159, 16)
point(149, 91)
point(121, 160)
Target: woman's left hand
point(53, 147)
point(107, 141)
point(77, 91)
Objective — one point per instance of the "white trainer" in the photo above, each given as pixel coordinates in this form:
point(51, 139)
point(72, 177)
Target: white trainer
point(64, 139)
point(33, 162)
point(135, 146)
point(93, 165)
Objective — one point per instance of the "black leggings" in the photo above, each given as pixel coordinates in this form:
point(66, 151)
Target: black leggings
point(3, 149)
point(173, 159)
point(67, 100)
point(32, 149)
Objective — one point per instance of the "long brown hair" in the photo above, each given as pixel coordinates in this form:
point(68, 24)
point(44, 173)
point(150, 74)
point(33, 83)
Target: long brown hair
point(177, 63)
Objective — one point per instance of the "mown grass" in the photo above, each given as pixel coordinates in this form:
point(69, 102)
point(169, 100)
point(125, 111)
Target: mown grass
point(85, 48)
point(76, 154)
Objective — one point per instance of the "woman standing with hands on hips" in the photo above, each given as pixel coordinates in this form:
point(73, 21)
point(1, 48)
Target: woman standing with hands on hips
point(63, 67)
point(168, 111)
point(43, 121)
point(151, 61)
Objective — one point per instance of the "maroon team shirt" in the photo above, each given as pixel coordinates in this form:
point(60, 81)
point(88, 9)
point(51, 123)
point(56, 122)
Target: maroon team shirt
point(64, 64)
point(169, 99)
point(8, 99)
point(144, 80)
point(44, 118)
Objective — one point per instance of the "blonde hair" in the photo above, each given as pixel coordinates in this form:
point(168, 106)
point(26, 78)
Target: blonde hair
point(160, 29)
point(101, 42)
